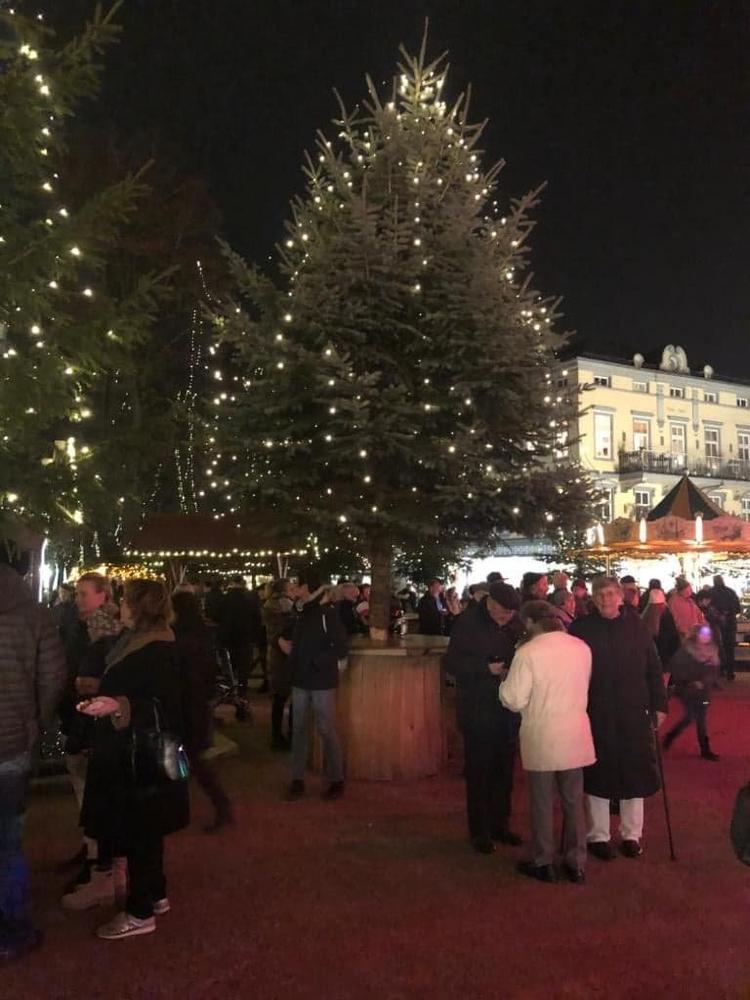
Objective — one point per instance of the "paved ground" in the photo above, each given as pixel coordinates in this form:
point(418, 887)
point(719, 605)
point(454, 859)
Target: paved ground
point(378, 896)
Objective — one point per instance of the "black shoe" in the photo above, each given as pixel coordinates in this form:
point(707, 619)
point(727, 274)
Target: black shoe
point(483, 845)
point(601, 849)
point(542, 873)
point(506, 836)
point(709, 755)
point(78, 859)
point(82, 878)
point(14, 949)
point(222, 819)
point(280, 744)
point(334, 791)
point(574, 875)
point(631, 849)
point(296, 790)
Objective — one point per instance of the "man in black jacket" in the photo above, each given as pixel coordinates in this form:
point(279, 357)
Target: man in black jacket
point(432, 611)
point(727, 605)
point(239, 629)
point(482, 644)
point(318, 642)
point(32, 676)
point(626, 696)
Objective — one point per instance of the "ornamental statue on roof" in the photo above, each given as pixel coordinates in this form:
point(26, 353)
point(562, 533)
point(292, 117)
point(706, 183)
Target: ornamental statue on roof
point(674, 359)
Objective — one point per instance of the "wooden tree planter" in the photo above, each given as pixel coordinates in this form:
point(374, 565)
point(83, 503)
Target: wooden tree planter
point(391, 705)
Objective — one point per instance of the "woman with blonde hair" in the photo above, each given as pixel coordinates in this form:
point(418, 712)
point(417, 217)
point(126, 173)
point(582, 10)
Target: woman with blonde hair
point(134, 813)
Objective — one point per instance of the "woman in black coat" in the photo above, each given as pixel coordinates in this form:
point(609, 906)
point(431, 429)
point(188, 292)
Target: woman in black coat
point(143, 666)
point(198, 669)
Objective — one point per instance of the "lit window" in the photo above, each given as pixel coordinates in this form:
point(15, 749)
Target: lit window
point(603, 380)
point(712, 442)
point(743, 446)
point(642, 504)
point(602, 435)
point(641, 434)
point(676, 392)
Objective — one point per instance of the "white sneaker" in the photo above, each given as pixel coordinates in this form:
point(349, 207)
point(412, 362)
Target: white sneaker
point(161, 906)
point(125, 925)
point(98, 891)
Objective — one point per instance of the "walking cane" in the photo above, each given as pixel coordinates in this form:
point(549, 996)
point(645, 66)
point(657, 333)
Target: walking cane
point(660, 762)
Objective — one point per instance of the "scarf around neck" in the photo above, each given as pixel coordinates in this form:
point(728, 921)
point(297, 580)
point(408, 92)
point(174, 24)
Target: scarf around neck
point(131, 641)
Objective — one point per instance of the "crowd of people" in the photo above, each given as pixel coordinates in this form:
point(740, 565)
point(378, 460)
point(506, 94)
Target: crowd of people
point(579, 680)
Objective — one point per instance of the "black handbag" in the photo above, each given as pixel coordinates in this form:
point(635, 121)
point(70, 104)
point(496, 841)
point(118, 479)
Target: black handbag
point(156, 755)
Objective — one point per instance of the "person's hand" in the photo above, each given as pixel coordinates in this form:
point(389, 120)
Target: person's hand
point(99, 707)
point(660, 717)
point(497, 669)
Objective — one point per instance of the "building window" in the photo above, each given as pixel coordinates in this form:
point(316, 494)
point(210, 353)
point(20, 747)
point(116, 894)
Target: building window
point(743, 446)
point(640, 386)
point(642, 503)
point(603, 380)
point(606, 508)
point(677, 445)
point(676, 392)
point(712, 442)
point(641, 434)
point(602, 435)
point(717, 498)
point(742, 402)
point(745, 509)
point(709, 397)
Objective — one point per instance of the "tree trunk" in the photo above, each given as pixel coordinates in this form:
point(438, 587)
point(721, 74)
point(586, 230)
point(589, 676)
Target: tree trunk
point(381, 557)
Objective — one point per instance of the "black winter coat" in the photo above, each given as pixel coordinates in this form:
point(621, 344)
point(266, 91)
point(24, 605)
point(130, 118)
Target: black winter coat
point(239, 618)
point(319, 641)
point(476, 640)
point(114, 808)
point(198, 669)
point(431, 621)
point(626, 689)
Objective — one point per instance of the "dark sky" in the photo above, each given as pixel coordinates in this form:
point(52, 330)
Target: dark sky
point(636, 113)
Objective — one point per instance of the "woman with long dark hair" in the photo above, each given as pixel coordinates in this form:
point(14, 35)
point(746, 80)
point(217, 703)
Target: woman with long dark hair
point(198, 667)
point(134, 815)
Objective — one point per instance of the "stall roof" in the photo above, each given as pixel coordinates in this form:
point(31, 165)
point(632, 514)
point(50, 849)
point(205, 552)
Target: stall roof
point(200, 536)
point(686, 500)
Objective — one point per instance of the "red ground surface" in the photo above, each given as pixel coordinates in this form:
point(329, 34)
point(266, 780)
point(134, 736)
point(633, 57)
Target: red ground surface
point(378, 896)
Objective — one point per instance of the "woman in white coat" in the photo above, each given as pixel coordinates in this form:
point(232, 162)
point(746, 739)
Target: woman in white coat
point(548, 684)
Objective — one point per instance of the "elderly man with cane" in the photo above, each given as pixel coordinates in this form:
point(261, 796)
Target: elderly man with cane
point(626, 693)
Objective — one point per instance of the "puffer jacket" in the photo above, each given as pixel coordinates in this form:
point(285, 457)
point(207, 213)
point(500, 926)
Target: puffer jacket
point(32, 666)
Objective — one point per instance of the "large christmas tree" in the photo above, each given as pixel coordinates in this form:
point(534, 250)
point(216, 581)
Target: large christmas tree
point(61, 328)
point(394, 386)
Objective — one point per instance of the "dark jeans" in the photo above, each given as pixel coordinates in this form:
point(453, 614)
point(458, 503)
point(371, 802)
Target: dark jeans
point(146, 879)
point(695, 711)
point(489, 760)
point(241, 656)
point(205, 774)
point(277, 716)
point(15, 924)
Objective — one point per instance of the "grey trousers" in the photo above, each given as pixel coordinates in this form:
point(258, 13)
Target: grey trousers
point(542, 787)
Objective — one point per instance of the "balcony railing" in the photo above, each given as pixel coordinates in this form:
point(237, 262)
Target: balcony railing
point(716, 467)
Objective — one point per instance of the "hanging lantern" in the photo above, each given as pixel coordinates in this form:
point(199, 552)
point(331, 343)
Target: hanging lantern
point(698, 528)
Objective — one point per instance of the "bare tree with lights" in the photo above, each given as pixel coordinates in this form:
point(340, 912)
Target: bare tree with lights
point(393, 387)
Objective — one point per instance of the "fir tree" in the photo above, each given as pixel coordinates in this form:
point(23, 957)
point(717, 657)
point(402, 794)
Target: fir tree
point(394, 385)
point(60, 328)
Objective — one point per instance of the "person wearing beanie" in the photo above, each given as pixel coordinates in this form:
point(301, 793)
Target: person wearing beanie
point(482, 643)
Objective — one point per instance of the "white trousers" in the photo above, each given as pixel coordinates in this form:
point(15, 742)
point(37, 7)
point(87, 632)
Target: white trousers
point(631, 819)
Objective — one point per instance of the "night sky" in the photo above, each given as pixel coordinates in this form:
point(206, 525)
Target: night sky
point(637, 114)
